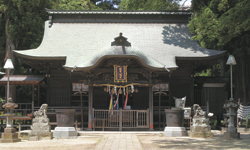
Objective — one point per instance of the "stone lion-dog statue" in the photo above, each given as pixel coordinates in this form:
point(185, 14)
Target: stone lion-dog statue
point(42, 111)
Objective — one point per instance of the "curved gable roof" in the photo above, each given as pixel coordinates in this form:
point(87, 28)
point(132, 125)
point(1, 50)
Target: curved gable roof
point(157, 45)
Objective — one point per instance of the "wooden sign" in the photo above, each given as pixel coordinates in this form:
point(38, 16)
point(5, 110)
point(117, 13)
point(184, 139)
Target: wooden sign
point(80, 87)
point(120, 73)
point(160, 87)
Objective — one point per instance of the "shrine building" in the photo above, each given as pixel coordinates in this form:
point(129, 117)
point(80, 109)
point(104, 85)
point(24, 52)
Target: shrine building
point(121, 69)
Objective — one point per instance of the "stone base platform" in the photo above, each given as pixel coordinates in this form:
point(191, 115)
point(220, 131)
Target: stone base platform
point(9, 136)
point(201, 135)
point(24, 134)
point(41, 137)
point(228, 135)
point(175, 131)
point(65, 133)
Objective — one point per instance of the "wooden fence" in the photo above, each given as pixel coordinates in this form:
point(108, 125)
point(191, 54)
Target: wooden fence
point(120, 119)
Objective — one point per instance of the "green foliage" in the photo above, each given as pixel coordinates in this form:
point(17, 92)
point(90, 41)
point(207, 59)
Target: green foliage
point(25, 22)
point(149, 5)
point(205, 26)
point(219, 23)
point(247, 119)
point(74, 5)
point(212, 72)
point(225, 25)
point(2, 100)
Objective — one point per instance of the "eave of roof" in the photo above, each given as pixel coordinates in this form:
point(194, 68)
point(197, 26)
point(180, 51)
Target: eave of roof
point(21, 55)
point(219, 55)
point(51, 11)
point(21, 79)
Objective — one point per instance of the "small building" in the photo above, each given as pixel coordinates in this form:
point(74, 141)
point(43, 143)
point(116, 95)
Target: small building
point(139, 59)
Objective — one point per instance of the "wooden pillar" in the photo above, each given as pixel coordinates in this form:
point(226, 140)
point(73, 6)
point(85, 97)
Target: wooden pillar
point(38, 98)
point(159, 110)
point(5, 94)
point(33, 98)
point(151, 126)
point(222, 68)
point(81, 110)
point(14, 96)
point(120, 119)
point(90, 116)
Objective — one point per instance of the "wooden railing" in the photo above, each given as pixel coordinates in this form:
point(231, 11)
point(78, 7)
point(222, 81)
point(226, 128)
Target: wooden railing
point(23, 115)
point(120, 119)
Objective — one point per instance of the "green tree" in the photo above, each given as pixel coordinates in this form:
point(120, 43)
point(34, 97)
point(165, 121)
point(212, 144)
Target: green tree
point(22, 26)
point(225, 25)
point(149, 5)
point(74, 5)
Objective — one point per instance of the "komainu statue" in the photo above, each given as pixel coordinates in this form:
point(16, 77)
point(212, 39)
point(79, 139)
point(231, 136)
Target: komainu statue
point(40, 129)
point(200, 127)
point(198, 112)
point(42, 111)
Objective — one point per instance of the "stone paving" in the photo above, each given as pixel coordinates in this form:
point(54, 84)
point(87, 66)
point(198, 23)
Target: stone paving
point(119, 142)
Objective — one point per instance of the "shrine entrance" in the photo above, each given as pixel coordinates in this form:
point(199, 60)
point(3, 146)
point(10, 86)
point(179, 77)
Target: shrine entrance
point(121, 107)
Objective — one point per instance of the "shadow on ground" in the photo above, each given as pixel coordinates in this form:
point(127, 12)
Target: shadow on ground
point(153, 142)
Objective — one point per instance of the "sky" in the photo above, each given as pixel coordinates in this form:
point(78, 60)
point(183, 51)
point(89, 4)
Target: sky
point(188, 3)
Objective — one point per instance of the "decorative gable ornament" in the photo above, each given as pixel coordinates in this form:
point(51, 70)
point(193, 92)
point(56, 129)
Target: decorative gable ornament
point(120, 41)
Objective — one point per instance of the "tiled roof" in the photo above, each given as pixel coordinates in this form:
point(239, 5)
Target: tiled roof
point(21, 79)
point(83, 44)
point(50, 11)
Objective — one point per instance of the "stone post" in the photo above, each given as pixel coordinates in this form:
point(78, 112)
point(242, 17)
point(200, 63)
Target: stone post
point(231, 133)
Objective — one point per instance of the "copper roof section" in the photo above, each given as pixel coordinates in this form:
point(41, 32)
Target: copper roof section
point(21, 79)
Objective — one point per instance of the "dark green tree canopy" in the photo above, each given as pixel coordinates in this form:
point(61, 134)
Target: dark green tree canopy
point(149, 5)
point(225, 25)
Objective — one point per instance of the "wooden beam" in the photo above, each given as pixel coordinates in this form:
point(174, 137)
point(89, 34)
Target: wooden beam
point(90, 115)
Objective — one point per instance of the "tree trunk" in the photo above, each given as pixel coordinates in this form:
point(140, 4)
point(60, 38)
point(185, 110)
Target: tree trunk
point(241, 81)
point(9, 55)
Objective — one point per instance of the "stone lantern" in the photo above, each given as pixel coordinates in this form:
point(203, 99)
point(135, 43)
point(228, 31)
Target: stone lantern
point(9, 135)
point(231, 107)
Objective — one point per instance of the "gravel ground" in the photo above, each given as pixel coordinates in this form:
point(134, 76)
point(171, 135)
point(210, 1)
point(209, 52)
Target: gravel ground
point(147, 142)
point(80, 143)
point(154, 142)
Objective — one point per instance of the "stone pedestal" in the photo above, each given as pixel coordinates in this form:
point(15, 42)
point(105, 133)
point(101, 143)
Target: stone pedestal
point(175, 131)
point(200, 128)
point(174, 121)
point(65, 133)
point(9, 136)
point(228, 135)
point(65, 117)
point(65, 122)
point(174, 117)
